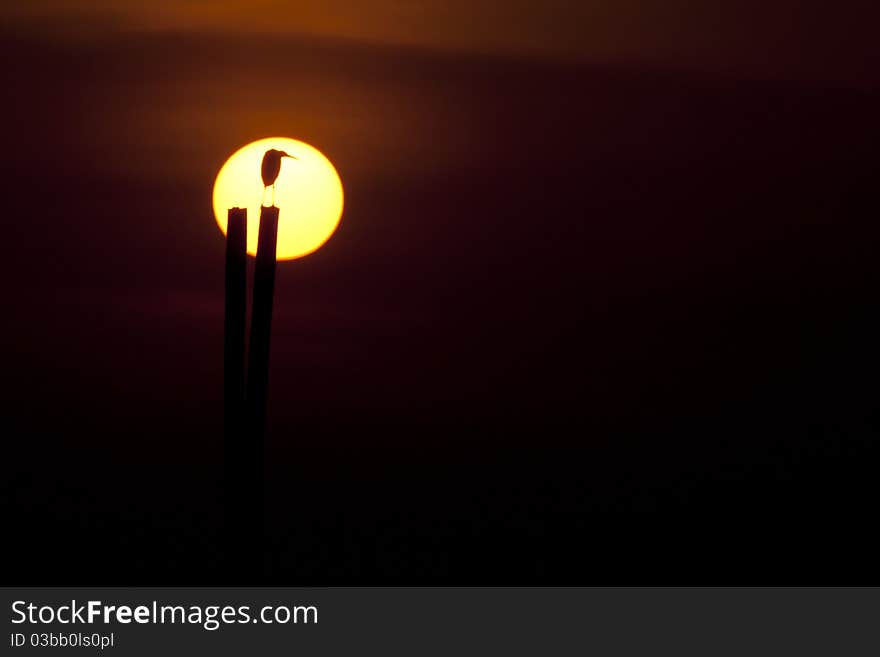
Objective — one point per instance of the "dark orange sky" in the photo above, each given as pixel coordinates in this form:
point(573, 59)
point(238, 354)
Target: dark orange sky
point(531, 195)
point(788, 38)
point(595, 259)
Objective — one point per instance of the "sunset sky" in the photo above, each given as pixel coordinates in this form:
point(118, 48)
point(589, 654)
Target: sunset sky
point(596, 258)
point(779, 39)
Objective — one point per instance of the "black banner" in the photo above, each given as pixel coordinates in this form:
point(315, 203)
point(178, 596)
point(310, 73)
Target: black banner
point(448, 621)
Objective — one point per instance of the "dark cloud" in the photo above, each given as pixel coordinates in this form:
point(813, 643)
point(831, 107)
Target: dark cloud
point(786, 38)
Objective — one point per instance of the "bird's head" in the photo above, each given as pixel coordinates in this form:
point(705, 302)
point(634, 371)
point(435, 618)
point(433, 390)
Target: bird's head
point(286, 154)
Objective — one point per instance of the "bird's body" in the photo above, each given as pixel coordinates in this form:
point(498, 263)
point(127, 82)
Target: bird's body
point(271, 167)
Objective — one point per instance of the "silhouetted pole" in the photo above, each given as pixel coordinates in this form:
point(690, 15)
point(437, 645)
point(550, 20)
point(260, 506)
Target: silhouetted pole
point(258, 356)
point(261, 321)
point(233, 386)
point(234, 320)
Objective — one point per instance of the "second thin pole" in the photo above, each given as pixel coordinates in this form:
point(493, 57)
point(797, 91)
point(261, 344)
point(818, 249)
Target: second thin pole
point(261, 321)
point(237, 486)
point(258, 360)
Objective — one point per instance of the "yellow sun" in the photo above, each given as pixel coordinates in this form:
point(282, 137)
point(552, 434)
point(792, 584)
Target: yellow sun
point(308, 193)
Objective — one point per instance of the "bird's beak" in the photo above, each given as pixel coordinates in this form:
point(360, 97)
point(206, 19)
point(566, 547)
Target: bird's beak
point(292, 157)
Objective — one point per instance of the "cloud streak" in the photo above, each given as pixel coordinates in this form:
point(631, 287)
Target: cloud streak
point(786, 39)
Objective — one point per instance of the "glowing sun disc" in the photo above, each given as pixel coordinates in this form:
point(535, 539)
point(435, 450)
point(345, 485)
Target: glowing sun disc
point(308, 192)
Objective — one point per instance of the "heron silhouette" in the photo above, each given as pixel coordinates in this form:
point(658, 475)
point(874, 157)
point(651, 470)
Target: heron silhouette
point(270, 169)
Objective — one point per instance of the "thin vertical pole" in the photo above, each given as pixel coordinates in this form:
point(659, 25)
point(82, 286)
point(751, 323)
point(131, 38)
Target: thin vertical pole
point(233, 383)
point(258, 357)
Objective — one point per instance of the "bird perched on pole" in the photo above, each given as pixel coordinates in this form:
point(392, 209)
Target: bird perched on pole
point(270, 169)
